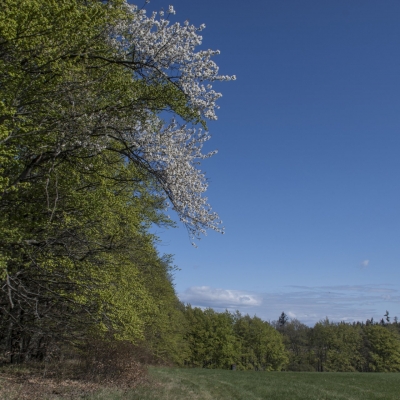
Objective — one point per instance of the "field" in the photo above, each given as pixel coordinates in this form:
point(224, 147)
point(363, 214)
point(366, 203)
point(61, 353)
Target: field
point(199, 384)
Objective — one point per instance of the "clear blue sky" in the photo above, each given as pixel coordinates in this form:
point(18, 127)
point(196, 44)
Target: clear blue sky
point(307, 179)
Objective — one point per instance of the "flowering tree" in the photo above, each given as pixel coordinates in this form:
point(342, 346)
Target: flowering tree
point(160, 53)
point(109, 87)
point(89, 159)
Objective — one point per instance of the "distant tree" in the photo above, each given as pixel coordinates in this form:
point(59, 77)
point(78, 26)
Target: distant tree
point(387, 318)
point(321, 342)
point(337, 346)
point(296, 337)
point(283, 319)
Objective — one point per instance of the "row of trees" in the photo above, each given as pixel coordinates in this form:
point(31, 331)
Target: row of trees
point(344, 347)
point(219, 340)
point(99, 105)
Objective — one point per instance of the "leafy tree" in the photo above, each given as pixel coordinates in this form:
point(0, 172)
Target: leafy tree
point(384, 349)
point(87, 165)
point(262, 347)
point(337, 346)
point(296, 337)
point(88, 76)
point(87, 259)
point(211, 339)
point(165, 330)
point(345, 353)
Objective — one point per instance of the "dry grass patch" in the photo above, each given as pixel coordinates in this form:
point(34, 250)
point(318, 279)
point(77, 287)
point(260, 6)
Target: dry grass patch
point(100, 365)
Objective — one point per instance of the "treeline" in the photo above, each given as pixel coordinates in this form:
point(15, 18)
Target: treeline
point(221, 340)
point(88, 165)
point(343, 347)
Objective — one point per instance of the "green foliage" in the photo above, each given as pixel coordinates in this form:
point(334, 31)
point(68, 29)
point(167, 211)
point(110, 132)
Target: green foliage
point(296, 337)
point(210, 337)
point(87, 230)
point(384, 349)
point(76, 254)
point(337, 347)
point(165, 330)
point(342, 347)
point(261, 347)
point(218, 340)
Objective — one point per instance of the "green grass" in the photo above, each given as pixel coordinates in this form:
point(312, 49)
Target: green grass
point(199, 384)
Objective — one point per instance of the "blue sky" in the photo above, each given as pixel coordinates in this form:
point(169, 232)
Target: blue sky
point(307, 175)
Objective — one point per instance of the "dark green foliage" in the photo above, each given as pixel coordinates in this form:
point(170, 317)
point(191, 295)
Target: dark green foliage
point(283, 319)
point(296, 337)
point(342, 347)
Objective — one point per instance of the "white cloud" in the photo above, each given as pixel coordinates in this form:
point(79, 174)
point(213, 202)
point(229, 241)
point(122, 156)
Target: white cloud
point(364, 264)
point(205, 296)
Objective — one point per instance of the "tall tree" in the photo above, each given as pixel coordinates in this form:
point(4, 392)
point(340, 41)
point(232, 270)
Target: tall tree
point(296, 337)
point(87, 163)
point(87, 76)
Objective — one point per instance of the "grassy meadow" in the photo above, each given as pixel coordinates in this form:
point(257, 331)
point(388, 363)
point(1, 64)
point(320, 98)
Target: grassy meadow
point(203, 384)
point(199, 384)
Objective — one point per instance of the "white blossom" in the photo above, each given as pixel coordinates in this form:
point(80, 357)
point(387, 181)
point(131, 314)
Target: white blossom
point(172, 152)
point(163, 51)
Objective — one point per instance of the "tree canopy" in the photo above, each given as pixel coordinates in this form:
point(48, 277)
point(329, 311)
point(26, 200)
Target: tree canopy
point(103, 115)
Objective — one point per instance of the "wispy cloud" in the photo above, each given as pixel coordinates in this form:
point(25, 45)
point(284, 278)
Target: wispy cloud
point(306, 303)
point(362, 289)
point(364, 264)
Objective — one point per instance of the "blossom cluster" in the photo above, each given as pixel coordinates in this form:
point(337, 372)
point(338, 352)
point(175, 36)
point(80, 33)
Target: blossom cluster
point(164, 52)
point(172, 152)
